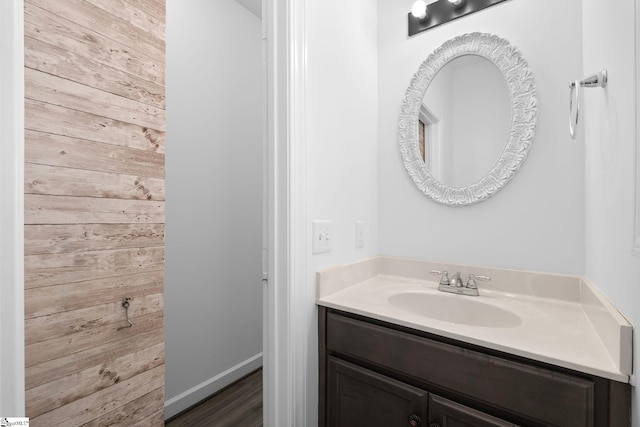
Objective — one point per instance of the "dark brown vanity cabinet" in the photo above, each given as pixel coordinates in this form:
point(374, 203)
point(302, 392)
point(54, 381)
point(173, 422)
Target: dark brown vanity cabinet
point(360, 397)
point(374, 373)
point(445, 412)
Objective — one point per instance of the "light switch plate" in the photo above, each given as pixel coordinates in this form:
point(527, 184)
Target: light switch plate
point(322, 237)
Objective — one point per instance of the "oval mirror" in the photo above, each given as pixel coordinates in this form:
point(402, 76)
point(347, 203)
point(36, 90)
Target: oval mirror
point(464, 120)
point(468, 119)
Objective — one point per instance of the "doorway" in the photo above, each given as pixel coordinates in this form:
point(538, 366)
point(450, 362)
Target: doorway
point(285, 374)
point(214, 213)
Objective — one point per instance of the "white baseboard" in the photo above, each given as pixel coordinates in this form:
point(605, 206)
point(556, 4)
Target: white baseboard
point(188, 398)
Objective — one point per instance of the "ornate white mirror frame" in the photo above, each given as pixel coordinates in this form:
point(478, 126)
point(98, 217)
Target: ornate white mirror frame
point(522, 91)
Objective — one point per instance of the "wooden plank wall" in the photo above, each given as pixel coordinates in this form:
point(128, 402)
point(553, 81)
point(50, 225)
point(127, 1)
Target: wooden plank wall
point(94, 211)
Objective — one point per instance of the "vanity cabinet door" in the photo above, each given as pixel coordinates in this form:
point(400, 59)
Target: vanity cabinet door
point(359, 397)
point(444, 412)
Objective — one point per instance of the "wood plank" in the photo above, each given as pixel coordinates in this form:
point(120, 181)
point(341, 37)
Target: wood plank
point(62, 181)
point(49, 118)
point(57, 31)
point(51, 59)
point(102, 22)
point(156, 419)
point(103, 353)
point(156, 8)
point(73, 296)
point(41, 209)
point(66, 93)
point(70, 322)
point(56, 150)
point(144, 410)
point(133, 15)
point(55, 348)
point(60, 392)
point(57, 269)
point(94, 197)
point(56, 239)
point(95, 405)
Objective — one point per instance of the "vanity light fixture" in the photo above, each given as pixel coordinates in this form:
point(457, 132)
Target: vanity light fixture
point(442, 11)
point(419, 10)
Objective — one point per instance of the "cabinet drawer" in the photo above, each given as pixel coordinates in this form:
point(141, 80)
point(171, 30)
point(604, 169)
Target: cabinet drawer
point(540, 395)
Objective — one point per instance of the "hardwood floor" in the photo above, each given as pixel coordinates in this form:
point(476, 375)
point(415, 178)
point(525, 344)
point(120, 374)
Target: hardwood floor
point(237, 405)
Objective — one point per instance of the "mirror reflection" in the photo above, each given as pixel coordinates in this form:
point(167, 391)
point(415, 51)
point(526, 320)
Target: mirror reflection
point(464, 120)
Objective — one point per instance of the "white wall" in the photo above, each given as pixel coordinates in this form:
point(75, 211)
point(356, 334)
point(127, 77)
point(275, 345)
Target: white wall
point(213, 288)
point(537, 221)
point(610, 127)
point(570, 209)
point(12, 395)
point(342, 142)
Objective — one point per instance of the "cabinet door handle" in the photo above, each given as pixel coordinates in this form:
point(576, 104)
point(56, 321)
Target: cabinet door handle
point(414, 420)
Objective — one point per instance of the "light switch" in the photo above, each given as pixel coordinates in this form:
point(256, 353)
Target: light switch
point(322, 237)
point(359, 234)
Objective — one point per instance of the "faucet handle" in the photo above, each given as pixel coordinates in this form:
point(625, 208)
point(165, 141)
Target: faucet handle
point(445, 276)
point(471, 283)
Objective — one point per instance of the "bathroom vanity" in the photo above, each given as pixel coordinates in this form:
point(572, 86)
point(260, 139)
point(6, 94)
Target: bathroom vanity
point(386, 366)
point(376, 373)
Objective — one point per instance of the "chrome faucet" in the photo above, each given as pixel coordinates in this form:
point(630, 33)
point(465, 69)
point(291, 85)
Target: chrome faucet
point(455, 284)
point(456, 281)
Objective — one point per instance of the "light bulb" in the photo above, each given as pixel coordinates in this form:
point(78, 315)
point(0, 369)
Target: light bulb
point(456, 2)
point(419, 9)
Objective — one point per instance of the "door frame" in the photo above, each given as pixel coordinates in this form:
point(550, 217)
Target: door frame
point(285, 341)
point(12, 396)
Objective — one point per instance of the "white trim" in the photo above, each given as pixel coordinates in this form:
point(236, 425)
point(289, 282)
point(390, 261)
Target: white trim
point(195, 394)
point(432, 136)
point(636, 240)
point(271, 387)
point(285, 343)
point(12, 400)
point(297, 206)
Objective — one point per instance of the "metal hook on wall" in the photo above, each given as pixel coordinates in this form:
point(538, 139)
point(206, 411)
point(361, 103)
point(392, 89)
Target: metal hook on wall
point(598, 79)
point(126, 302)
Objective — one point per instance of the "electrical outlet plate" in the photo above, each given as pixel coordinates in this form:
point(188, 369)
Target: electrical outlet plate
point(322, 237)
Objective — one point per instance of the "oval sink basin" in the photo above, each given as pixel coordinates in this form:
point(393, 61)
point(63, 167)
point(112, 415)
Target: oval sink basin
point(455, 309)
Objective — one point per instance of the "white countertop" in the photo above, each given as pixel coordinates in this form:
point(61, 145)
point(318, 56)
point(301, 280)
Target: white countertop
point(569, 331)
